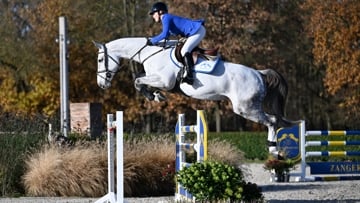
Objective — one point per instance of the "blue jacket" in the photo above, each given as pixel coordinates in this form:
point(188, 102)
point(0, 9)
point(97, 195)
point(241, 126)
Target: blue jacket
point(176, 25)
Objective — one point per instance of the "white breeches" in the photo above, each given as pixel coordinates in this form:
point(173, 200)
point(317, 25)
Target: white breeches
point(193, 41)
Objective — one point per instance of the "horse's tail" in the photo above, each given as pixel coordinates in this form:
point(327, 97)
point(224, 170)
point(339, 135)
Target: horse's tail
point(276, 96)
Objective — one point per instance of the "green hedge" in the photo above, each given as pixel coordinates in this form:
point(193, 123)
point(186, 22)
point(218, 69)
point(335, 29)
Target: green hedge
point(253, 144)
point(18, 137)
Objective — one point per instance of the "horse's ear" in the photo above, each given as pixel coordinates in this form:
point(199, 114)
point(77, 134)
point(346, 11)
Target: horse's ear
point(97, 44)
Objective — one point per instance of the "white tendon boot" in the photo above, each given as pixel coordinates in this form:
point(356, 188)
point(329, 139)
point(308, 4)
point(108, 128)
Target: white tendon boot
point(272, 143)
point(273, 151)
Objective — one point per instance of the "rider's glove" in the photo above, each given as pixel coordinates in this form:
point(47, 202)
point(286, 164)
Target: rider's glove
point(148, 42)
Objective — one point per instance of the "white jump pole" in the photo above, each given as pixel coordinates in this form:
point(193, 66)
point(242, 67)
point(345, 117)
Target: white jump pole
point(117, 125)
point(120, 157)
point(64, 77)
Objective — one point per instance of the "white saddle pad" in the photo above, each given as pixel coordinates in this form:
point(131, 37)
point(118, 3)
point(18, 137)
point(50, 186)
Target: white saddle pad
point(205, 66)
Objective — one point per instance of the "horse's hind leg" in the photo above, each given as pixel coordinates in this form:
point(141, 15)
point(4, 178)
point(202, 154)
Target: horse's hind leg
point(256, 114)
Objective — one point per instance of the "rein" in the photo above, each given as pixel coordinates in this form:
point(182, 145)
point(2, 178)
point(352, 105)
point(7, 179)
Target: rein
point(151, 55)
point(107, 56)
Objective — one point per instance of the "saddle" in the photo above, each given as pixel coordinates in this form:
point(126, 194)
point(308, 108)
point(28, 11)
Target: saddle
point(207, 54)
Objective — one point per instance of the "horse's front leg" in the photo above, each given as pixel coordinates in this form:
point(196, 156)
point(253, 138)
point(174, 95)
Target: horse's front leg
point(142, 83)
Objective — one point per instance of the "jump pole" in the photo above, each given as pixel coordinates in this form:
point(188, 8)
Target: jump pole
point(326, 169)
point(200, 146)
point(64, 77)
point(117, 126)
point(293, 141)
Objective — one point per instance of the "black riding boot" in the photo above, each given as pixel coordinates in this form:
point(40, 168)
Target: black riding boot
point(189, 65)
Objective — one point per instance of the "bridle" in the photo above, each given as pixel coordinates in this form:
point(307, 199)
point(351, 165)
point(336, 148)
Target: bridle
point(108, 73)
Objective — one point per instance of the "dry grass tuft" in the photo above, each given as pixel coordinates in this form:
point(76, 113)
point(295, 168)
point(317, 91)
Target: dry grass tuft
point(227, 153)
point(75, 171)
point(81, 170)
point(146, 160)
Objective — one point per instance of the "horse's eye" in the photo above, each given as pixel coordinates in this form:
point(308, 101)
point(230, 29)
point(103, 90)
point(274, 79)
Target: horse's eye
point(100, 60)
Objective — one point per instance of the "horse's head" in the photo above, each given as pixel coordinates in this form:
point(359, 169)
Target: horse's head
point(108, 65)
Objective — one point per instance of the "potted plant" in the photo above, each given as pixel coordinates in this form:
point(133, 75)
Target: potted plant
point(279, 169)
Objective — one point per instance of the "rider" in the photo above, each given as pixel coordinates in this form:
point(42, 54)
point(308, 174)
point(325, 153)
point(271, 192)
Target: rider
point(193, 30)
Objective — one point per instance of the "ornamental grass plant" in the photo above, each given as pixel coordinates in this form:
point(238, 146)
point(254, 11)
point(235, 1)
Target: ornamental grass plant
point(77, 170)
point(81, 169)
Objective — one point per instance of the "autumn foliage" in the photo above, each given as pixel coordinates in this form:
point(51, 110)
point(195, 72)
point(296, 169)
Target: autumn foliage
point(335, 29)
point(314, 44)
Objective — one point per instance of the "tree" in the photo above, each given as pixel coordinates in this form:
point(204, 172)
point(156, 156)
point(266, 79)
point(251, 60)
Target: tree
point(335, 29)
point(260, 34)
point(25, 90)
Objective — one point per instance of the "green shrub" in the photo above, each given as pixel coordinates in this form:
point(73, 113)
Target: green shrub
point(212, 181)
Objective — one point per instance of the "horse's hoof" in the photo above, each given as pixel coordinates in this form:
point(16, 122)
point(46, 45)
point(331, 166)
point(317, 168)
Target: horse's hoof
point(281, 156)
point(159, 97)
point(149, 96)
